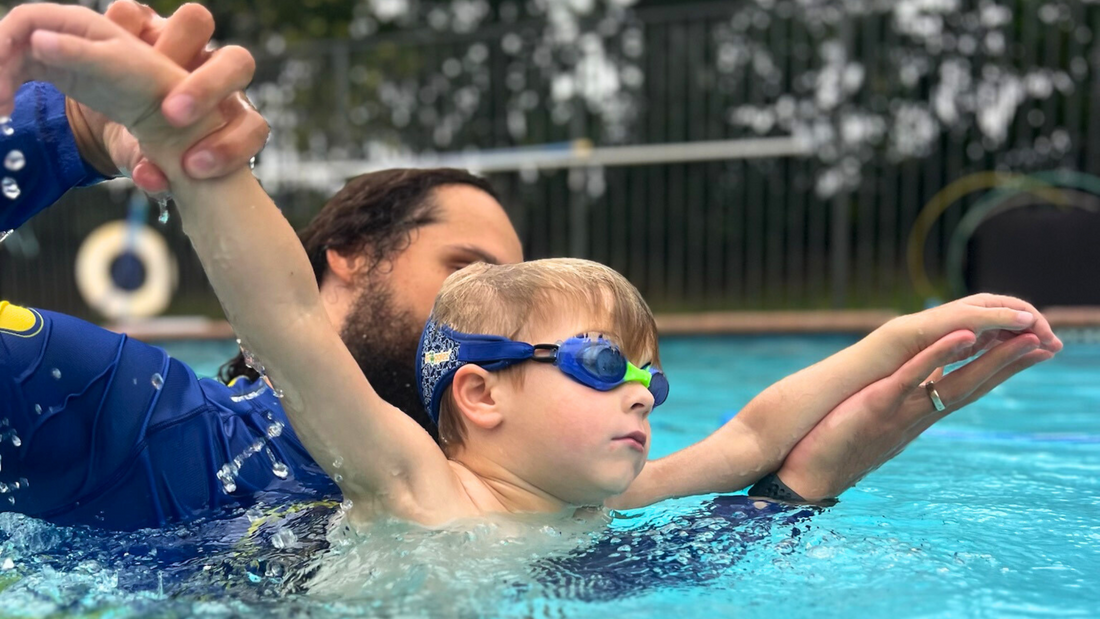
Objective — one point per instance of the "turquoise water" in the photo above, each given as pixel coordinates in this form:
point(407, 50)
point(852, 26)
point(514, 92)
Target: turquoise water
point(994, 512)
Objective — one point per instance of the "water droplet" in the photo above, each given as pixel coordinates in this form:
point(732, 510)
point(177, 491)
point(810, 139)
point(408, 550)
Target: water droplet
point(284, 539)
point(56, 373)
point(7, 565)
point(229, 486)
point(280, 470)
point(23, 480)
point(7, 129)
point(346, 505)
point(274, 430)
point(164, 214)
point(3, 488)
point(338, 462)
point(5, 234)
point(15, 161)
point(5, 120)
point(252, 163)
point(337, 478)
point(158, 381)
point(11, 500)
point(10, 188)
point(38, 409)
point(16, 441)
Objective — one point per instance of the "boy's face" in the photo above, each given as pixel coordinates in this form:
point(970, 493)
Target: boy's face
point(577, 443)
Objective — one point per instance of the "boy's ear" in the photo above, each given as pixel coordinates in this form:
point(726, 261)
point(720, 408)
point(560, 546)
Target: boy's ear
point(476, 391)
point(345, 268)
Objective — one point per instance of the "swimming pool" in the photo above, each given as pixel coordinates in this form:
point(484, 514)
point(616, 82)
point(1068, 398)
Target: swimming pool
point(995, 512)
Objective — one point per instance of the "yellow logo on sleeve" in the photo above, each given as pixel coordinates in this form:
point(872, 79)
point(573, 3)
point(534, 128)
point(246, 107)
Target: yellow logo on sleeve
point(19, 321)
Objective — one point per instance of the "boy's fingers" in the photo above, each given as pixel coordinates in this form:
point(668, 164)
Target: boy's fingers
point(231, 147)
point(1041, 327)
point(62, 51)
point(185, 34)
point(229, 70)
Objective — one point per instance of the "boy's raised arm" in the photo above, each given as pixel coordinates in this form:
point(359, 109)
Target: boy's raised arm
point(253, 260)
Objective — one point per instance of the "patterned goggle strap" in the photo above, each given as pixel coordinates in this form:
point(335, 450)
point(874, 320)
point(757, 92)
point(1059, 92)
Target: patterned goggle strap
point(443, 351)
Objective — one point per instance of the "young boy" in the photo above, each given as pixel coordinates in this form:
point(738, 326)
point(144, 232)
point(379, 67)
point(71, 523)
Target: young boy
point(544, 437)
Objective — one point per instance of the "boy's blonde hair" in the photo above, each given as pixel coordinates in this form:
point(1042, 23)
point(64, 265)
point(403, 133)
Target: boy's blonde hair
point(509, 299)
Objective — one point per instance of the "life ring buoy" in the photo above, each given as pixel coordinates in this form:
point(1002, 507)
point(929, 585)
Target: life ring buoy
point(125, 270)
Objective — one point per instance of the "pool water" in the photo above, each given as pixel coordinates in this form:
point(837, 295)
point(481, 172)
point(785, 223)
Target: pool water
point(994, 512)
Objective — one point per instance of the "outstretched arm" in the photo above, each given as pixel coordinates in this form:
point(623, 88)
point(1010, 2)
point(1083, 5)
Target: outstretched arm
point(760, 437)
point(255, 264)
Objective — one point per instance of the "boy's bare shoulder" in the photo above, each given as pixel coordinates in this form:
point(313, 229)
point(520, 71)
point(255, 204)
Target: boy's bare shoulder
point(465, 495)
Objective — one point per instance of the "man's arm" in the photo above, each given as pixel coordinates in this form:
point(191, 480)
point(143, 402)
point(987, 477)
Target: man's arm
point(51, 162)
point(259, 271)
point(758, 439)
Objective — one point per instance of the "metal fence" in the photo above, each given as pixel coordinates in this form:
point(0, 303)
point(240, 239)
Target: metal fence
point(828, 229)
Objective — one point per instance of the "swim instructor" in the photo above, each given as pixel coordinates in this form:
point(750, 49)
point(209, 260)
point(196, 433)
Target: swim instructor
point(113, 450)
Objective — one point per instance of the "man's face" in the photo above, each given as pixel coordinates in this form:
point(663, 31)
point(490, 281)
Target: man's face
point(383, 326)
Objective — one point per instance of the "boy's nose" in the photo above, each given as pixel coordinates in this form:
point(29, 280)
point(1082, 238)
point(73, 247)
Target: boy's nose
point(638, 398)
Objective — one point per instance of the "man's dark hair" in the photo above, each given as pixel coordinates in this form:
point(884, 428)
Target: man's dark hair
point(374, 215)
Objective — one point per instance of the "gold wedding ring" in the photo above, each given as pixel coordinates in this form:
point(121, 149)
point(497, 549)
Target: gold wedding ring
point(930, 386)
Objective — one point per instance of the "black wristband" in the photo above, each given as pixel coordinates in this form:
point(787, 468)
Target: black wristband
point(771, 487)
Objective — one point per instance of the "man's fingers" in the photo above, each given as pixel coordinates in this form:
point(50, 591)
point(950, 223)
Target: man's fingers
point(129, 15)
point(185, 34)
point(991, 382)
point(231, 147)
point(958, 386)
point(149, 178)
point(914, 372)
point(1022, 363)
point(229, 70)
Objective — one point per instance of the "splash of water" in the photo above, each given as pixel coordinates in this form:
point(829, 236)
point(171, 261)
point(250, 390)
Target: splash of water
point(162, 204)
point(10, 188)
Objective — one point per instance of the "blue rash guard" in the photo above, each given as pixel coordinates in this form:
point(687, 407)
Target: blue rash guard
point(86, 435)
point(101, 429)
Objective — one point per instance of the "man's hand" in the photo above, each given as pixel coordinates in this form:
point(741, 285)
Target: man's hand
point(217, 79)
point(102, 65)
point(879, 421)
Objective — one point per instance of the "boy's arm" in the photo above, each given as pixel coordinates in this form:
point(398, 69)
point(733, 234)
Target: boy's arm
point(261, 275)
point(758, 439)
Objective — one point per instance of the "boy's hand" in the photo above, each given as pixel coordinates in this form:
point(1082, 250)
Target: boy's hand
point(993, 318)
point(217, 79)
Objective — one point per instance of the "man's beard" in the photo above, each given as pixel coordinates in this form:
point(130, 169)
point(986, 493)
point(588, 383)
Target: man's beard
point(383, 340)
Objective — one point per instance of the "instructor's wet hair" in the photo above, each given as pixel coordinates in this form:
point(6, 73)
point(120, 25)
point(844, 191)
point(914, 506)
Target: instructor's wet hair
point(374, 215)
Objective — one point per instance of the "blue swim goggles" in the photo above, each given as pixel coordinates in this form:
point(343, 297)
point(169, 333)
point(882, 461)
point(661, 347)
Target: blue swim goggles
point(595, 363)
